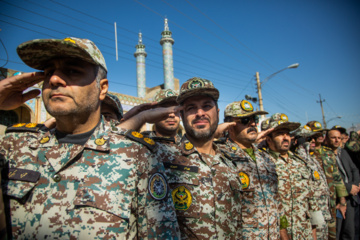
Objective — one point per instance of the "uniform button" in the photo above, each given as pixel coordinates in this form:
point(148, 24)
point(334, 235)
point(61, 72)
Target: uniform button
point(57, 178)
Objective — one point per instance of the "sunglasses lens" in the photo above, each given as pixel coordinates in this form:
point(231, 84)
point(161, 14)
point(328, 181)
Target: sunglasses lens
point(256, 119)
point(245, 121)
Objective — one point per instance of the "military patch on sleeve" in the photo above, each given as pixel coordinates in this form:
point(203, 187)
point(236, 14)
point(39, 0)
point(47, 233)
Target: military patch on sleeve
point(245, 180)
point(316, 175)
point(23, 175)
point(138, 137)
point(184, 168)
point(182, 198)
point(24, 127)
point(157, 186)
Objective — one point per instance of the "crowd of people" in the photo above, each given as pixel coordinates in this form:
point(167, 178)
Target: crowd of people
point(90, 173)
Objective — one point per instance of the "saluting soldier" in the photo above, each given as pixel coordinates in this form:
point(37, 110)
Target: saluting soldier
point(262, 213)
point(295, 187)
point(78, 180)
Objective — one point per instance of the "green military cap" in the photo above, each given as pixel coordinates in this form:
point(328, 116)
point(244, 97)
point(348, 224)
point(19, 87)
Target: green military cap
point(241, 109)
point(281, 121)
point(114, 102)
point(165, 95)
point(315, 126)
point(36, 53)
point(339, 128)
point(304, 131)
point(265, 124)
point(195, 87)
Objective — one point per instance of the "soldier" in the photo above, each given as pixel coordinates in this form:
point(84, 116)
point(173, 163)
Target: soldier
point(306, 151)
point(79, 180)
point(111, 109)
point(338, 192)
point(166, 129)
point(262, 213)
point(295, 188)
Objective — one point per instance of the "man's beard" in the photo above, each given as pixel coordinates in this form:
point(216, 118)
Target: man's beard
point(200, 134)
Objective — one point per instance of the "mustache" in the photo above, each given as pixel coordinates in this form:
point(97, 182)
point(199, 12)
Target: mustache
point(252, 129)
point(285, 141)
point(200, 119)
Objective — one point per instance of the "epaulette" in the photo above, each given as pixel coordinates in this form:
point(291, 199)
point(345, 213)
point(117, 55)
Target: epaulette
point(233, 156)
point(262, 149)
point(25, 127)
point(326, 148)
point(164, 139)
point(220, 140)
point(138, 137)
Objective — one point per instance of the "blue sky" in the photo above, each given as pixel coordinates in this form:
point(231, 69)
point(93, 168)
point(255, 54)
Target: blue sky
point(225, 41)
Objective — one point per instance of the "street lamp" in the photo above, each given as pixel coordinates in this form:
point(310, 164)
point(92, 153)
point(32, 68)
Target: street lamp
point(327, 122)
point(259, 84)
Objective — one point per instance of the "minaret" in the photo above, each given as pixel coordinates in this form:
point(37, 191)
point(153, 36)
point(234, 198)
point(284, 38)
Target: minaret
point(167, 42)
point(140, 55)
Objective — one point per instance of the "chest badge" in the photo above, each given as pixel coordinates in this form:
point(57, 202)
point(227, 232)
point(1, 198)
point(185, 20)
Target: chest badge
point(100, 141)
point(44, 140)
point(316, 175)
point(158, 186)
point(182, 198)
point(245, 180)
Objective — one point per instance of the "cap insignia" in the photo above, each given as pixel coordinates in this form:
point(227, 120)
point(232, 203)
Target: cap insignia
point(246, 106)
point(69, 40)
point(182, 198)
point(307, 127)
point(158, 186)
point(196, 83)
point(317, 125)
point(284, 117)
point(169, 93)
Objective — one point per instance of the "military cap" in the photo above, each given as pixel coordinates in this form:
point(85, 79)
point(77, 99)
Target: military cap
point(339, 128)
point(165, 95)
point(265, 124)
point(114, 102)
point(304, 131)
point(281, 121)
point(36, 53)
point(315, 126)
point(195, 87)
point(241, 109)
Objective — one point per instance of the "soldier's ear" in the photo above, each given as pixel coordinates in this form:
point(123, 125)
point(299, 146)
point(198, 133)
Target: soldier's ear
point(104, 86)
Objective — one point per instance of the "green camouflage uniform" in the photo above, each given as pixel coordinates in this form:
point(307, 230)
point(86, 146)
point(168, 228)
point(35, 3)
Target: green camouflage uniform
point(327, 159)
point(323, 192)
point(152, 135)
point(206, 191)
point(110, 188)
point(261, 205)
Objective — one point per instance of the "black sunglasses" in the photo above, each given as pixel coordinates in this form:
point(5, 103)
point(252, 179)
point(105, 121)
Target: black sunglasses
point(246, 120)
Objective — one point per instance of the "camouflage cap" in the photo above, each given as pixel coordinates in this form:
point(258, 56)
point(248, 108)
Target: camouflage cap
point(315, 126)
point(241, 109)
point(165, 95)
point(265, 124)
point(36, 53)
point(197, 87)
point(281, 121)
point(114, 102)
point(304, 131)
point(339, 128)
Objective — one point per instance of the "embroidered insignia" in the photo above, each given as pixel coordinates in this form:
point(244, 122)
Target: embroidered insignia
point(317, 125)
point(158, 186)
point(30, 125)
point(234, 148)
point(19, 125)
point(169, 93)
point(23, 175)
point(284, 117)
point(181, 167)
point(196, 83)
point(307, 127)
point(182, 198)
point(137, 134)
point(316, 175)
point(44, 140)
point(245, 180)
point(100, 141)
point(281, 122)
point(246, 106)
point(149, 141)
point(189, 146)
point(69, 40)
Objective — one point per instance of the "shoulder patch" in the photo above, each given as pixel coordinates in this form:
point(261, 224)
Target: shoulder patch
point(25, 127)
point(183, 168)
point(138, 137)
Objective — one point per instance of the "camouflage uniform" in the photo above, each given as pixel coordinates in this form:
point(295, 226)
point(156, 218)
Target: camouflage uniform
point(323, 192)
point(261, 205)
point(110, 188)
point(206, 191)
point(152, 135)
point(327, 159)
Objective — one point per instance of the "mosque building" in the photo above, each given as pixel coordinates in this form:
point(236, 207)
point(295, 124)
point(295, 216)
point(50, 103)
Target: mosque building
point(34, 110)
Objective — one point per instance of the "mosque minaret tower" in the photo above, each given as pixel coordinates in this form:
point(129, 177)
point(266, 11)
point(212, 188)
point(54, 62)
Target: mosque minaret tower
point(167, 41)
point(140, 55)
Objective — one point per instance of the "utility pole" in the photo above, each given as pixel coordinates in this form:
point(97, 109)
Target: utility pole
point(259, 91)
point(322, 109)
